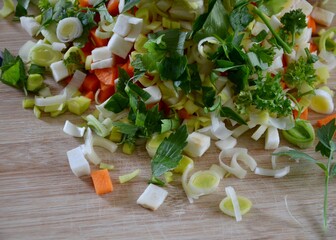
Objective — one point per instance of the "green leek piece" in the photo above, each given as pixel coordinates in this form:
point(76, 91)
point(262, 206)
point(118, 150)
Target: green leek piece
point(28, 103)
point(168, 176)
point(128, 148)
point(38, 18)
point(97, 126)
point(7, 8)
point(34, 82)
point(62, 109)
point(140, 42)
point(115, 135)
point(226, 205)
point(154, 142)
point(183, 164)
point(301, 135)
point(106, 166)
point(44, 55)
point(324, 37)
point(143, 13)
point(49, 33)
point(53, 108)
point(78, 105)
point(204, 179)
point(129, 176)
point(37, 112)
point(322, 75)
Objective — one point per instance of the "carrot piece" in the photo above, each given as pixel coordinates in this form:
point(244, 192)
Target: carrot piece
point(112, 7)
point(90, 95)
point(312, 24)
point(183, 114)
point(313, 47)
point(83, 3)
point(106, 91)
point(107, 75)
point(102, 181)
point(303, 116)
point(128, 68)
point(325, 120)
point(97, 41)
point(91, 83)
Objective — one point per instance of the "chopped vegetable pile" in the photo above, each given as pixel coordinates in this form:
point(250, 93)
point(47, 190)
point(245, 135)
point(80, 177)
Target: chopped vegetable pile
point(180, 75)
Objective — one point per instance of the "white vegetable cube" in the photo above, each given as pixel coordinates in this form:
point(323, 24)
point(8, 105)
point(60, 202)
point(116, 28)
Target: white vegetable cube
point(58, 46)
point(136, 28)
point(78, 164)
point(258, 27)
point(119, 46)
point(305, 6)
point(101, 53)
point(30, 25)
point(122, 26)
point(276, 65)
point(106, 63)
point(323, 16)
point(59, 70)
point(152, 197)
point(305, 36)
point(197, 144)
point(155, 93)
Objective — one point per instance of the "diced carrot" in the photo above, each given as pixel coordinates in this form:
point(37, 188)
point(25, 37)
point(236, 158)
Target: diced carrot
point(325, 120)
point(183, 114)
point(112, 7)
point(128, 68)
point(83, 3)
point(107, 75)
point(303, 115)
point(102, 181)
point(90, 95)
point(97, 41)
point(313, 47)
point(91, 83)
point(106, 91)
point(312, 24)
point(283, 84)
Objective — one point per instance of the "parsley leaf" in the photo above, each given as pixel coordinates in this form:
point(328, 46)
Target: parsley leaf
point(293, 21)
point(231, 114)
point(265, 55)
point(169, 153)
point(129, 4)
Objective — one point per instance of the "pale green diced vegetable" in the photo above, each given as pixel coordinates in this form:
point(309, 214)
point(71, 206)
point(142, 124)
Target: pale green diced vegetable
point(44, 55)
point(62, 109)
point(37, 112)
point(7, 8)
point(129, 176)
point(168, 176)
point(322, 74)
point(184, 162)
point(78, 105)
point(97, 126)
point(115, 135)
point(106, 166)
point(154, 142)
point(28, 103)
point(34, 82)
point(128, 148)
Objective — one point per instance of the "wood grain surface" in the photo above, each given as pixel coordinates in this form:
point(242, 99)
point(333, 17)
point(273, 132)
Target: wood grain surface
point(40, 198)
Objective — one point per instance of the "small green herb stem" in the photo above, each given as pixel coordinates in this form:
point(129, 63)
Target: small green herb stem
point(281, 42)
point(325, 205)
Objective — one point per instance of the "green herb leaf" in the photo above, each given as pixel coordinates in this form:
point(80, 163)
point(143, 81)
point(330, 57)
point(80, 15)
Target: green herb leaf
point(325, 135)
point(129, 4)
point(36, 69)
point(231, 114)
point(21, 8)
point(169, 153)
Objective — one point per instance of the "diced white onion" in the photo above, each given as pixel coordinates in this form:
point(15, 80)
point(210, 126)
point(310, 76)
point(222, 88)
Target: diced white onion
point(73, 130)
point(78, 164)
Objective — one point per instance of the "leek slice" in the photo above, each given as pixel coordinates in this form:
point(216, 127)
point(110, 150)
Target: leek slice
point(129, 176)
point(203, 182)
point(44, 55)
point(231, 193)
point(69, 29)
point(7, 8)
point(276, 173)
point(227, 205)
point(73, 130)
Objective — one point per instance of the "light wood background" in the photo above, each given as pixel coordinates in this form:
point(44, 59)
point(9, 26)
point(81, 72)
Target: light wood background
point(40, 198)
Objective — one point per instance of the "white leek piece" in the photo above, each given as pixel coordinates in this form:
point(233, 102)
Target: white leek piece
point(44, 55)
point(201, 45)
point(258, 27)
point(272, 138)
point(155, 93)
point(184, 181)
point(106, 63)
point(237, 154)
point(238, 131)
point(129, 176)
point(226, 205)
point(203, 182)
point(101, 53)
point(121, 5)
point(58, 46)
point(30, 25)
point(197, 144)
point(73, 130)
point(322, 102)
point(69, 29)
point(153, 197)
point(136, 28)
point(218, 128)
point(122, 26)
point(305, 6)
point(218, 170)
point(322, 16)
point(78, 164)
point(276, 173)
point(227, 143)
point(73, 86)
point(259, 132)
point(25, 49)
point(274, 158)
point(48, 101)
point(119, 46)
point(231, 193)
point(59, 70)
point(275, 22)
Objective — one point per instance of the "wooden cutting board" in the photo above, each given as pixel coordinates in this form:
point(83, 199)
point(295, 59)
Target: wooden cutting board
point(40, 198)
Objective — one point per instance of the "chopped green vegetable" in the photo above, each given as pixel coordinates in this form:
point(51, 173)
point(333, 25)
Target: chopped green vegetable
point(301, 135)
